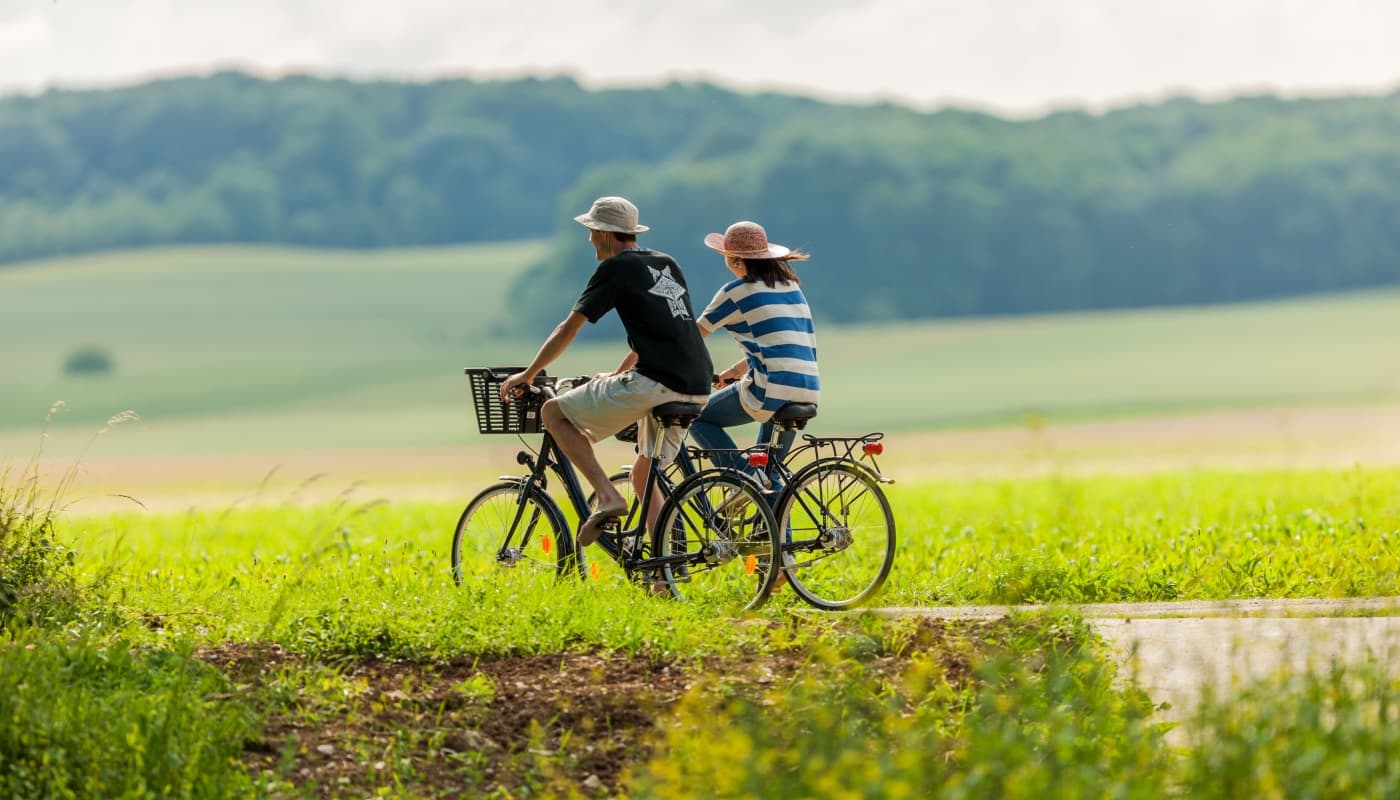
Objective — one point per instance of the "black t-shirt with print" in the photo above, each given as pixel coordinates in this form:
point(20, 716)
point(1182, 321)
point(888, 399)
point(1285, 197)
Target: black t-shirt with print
point(650, 295)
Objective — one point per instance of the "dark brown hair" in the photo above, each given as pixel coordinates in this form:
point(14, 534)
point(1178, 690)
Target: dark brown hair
point(625, 238)
point(773, 270)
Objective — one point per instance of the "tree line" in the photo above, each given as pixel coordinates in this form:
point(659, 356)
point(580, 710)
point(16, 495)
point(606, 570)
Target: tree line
point(907, 214)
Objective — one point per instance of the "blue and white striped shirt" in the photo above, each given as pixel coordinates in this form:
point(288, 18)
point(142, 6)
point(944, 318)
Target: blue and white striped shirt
point(774, 327)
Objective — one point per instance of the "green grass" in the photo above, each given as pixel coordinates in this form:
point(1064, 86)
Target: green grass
point(1021, 707)
point(229, 349)
point(1338, 349)
point(85, 718)
point(358, 577)
point(1202, 535)
point(227, 340)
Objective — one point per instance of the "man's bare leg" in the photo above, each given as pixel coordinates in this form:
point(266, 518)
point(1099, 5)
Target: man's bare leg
point(580, 451)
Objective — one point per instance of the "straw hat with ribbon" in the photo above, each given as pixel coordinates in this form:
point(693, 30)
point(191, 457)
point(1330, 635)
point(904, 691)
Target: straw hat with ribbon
point(745, 240)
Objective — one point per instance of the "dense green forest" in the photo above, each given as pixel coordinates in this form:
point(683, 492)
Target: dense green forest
point(907, 214)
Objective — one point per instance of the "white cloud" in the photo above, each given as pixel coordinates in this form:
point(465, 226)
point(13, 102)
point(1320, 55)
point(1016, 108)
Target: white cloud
point(1006, 54)
point(24, 33)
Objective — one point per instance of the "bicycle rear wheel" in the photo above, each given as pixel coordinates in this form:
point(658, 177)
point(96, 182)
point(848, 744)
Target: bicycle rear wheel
point(839, 534)
point(729, 555)
point(524, 531)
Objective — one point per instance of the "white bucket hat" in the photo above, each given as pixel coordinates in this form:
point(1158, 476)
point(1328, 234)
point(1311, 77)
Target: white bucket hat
point(745, 240)
point(616, 214)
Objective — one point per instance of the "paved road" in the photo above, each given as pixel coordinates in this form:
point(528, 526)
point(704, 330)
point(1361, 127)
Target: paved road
point(1176, 649)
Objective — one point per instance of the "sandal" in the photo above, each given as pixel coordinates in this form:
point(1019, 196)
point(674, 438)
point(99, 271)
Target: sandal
point(592, 527)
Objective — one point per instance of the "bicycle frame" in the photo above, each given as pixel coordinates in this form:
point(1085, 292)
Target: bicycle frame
point(551, 459)
point(843, 448)
point(695, 530)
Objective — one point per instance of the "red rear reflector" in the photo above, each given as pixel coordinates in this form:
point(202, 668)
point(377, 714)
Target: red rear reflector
point(874, 448)
point(758, 459)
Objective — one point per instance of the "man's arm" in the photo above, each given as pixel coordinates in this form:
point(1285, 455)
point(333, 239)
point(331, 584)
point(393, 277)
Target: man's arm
point(553, 347)
point(628, 362)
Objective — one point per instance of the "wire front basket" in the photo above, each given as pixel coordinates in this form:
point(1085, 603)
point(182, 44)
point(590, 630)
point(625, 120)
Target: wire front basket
point(522, 415)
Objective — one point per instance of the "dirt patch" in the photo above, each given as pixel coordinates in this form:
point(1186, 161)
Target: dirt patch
point(503, 725)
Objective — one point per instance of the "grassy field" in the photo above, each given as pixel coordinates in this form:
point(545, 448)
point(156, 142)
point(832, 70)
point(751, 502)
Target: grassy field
point(324, 651)
point(1202, 536)
point(249, 349)
point(307, 640)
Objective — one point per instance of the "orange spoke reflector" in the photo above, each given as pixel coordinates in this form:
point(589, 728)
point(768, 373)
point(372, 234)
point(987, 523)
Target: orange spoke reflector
point(547, 544)
point(594, 571)
point(750, 565)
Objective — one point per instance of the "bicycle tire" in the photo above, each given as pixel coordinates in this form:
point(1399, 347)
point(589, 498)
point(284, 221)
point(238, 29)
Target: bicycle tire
point(839, 534)
point(691, 526)
point(487, 520)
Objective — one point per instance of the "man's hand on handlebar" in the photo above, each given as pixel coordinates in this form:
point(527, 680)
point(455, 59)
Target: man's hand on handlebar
point(576, 381)
point(513, 387)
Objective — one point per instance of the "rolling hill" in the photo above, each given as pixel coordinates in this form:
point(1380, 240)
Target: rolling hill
point(247, 349)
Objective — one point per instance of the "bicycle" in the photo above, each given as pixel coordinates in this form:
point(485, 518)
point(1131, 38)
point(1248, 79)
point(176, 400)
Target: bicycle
point(837, 528)
point(691, 546)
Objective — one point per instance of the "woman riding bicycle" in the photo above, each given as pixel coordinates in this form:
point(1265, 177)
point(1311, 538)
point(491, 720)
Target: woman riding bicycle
point(765, 311)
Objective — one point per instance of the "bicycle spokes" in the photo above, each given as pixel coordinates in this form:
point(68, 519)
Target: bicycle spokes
point(712, 522)
point(842, 535)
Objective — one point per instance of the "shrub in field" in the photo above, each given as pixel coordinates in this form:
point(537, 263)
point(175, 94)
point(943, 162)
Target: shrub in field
point(87, 720)
point(88, 361)
point(37, 581)
point(38, 578)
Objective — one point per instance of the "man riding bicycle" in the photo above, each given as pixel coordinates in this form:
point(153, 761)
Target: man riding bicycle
point(668, 361)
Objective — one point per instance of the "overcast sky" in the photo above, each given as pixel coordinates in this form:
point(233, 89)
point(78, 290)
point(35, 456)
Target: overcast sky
point(1010, 56)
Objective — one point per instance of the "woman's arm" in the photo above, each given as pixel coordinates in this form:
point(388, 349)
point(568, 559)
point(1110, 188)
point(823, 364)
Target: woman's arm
point(733, 373)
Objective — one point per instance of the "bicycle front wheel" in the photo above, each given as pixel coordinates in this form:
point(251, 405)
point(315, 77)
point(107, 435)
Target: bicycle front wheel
point(717, 538)
point(839, 537)
point(518, 529)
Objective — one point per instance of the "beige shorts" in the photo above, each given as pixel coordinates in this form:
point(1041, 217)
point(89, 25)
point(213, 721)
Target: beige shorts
point(604, 406)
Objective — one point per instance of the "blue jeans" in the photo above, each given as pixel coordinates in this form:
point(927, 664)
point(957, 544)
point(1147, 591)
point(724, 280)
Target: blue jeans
point(725, 411)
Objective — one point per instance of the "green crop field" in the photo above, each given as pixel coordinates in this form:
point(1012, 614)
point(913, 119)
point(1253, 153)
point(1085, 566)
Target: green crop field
point(249, 349)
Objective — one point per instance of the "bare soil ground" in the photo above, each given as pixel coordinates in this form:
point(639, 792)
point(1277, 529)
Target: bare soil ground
point(574, 719)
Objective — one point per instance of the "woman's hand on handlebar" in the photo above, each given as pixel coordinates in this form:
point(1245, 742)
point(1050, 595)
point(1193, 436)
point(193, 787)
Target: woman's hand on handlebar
point(727, 377)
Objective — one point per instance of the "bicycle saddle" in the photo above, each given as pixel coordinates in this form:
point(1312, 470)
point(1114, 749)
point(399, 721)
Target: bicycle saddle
point(681, 414)
point(795, 414)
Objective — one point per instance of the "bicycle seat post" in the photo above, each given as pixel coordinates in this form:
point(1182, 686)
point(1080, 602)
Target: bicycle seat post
point(791, 417)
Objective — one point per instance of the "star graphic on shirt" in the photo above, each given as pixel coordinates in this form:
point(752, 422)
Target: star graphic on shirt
point(667, 287)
